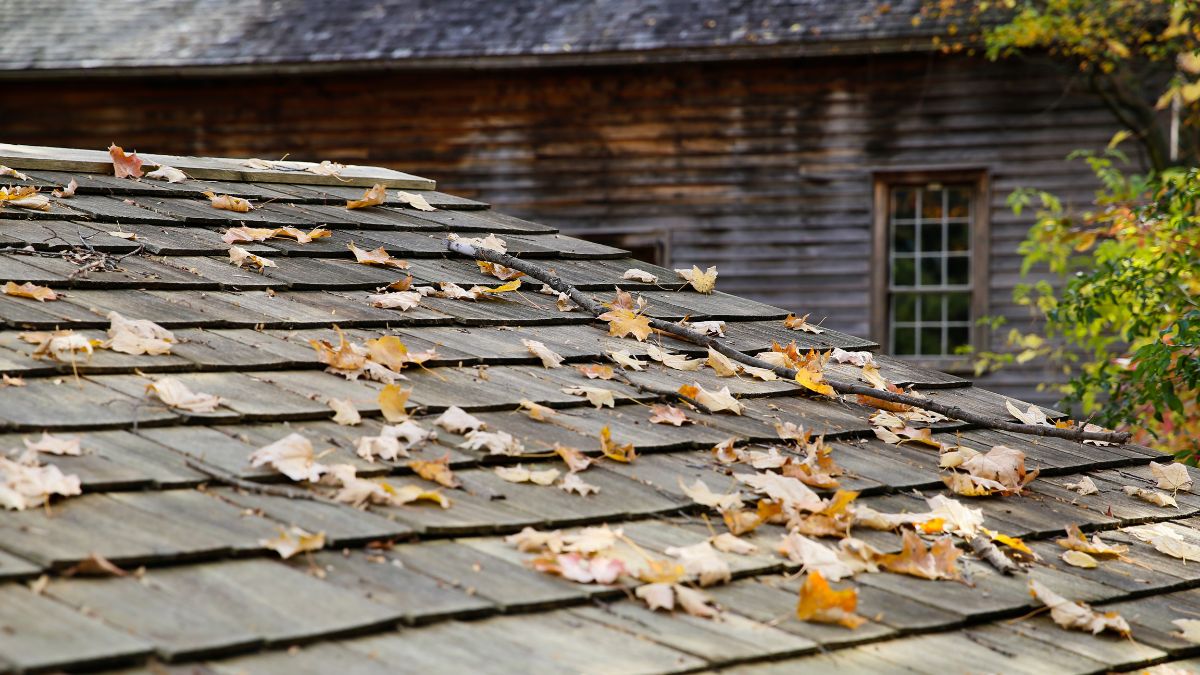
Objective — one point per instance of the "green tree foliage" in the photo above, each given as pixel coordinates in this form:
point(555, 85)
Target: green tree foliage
point(1124, 323)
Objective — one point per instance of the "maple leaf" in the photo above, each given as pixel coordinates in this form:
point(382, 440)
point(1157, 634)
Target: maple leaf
point(499, 271)
point(1077, 615)
point(595, 371)
point(404, 300)
point(915, 559)
point(581, 569)
point(549, 358)
point(1001, 466)
point(715, 401)
point(416, 201)
point(240, 257)
point(668, 414)
point(801, 323)
point(832, 519)
point(740, 522)
point(457, 421)
point(125, 165)
point(29, 290)
point(811, 375)
point(576, 461)
point(597, 396)
point(393, 441)
point(59, 345)
point(378, 256)
point(437, 470)
point(726, 451)
point(344, 358)
point(177, 395)
point(626, 360)
point(294, 540)
point(228, 202)
point(573, 483)
point(292, 456)
point(1173, 477)
point(618, 453)
point(374, 196)
point(54, 445)
point(820, 603)
point(496, 443)
point(1077, 541)
point(907, 435)
point(673, 361)
point(702, 562)
point(702, 282)
point(1151, 496)
point(391, 402)
point(622, 322)
point(408, 494)
point(167, 173)
point(345, 414)
point(137, 336)
point(642, 276)
point(68, 191)
point(702, 494)
point(519, 474)
point(27, 483)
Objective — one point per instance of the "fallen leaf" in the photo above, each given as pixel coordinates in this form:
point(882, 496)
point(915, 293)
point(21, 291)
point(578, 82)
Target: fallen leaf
point(721, 364)
point(7, 381)
point(228, 202)
point(700, 493)
point(457, 421)
point(325, 168)
point(811, 375)
point(730, 543)
point(915, 559)
point(634, 274)
point(292, 456)
point(414, 200)
point(137, 336)
point(716, 401)
point(25, 197)
point(1085, 486)
point(27, 483)
point(626, 360)
point(375, 196)
point(125, 165)
point(860, 359)
point(345, 412)
point(813, 557)
point(1173, 477)
point(668, 414)
point(407, 494)
point(801, 323)
point(1077, 615)
point(437, 470)
point(404, 300)
point(536, 411)
point(167, 173)
point(702, 562)
point(1034, 415)
point(95, 565)
point(1077, 541)
point(499, 271)
point(820, 603)
point(907, 435)
point(1079, 559)
point(177, 395)
point(379, 257)
point(597, 396)
point(1003, 465)
point(1166, 540)
point(8, 171)
point(573, 483)
point(29, 290)
point(519, 474)
point(616, 452)
point(708, 327)
point(496, 443)
point(791, 493)
point(59, 345)
point(240, 257)
point(54, 445)
point(1152, 496)
point(673, 361)
point(576, 461)
point(622, 322)
point(68, 191)
point(549, 358)
point(663, 595)
point(702, 282)
point(529, 540)
point(595, 371)
point(490, 242)
point(581, 569)
point(294, 540)
point(392, 400)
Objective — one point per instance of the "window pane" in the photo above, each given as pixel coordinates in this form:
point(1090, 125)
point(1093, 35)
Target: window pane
point(931, 204)
point(903, 270)
point(904, 341)
point(904, 239)
point(959, 201)
point(958, 336)
point(904, 203)
point(959, 308)
point(960, 237)
point(931, 271)
point(958, 270)
point(904, 307)
point(931, 309)
point(931, 237)
point(931, 341)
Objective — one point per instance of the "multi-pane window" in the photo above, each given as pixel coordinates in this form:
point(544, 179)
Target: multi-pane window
point(929, 288)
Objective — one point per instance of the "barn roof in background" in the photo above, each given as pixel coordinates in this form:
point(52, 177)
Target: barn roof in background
point(418, 587)
point(44, 36)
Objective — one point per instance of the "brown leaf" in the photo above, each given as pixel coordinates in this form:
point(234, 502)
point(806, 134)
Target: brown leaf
point(1077, 615)
point(668, 414)
point(915, 559)
point(372, 197)
point(801, 323)
point(437, 470)
point(95, 565)
point(125, 165)
point(378, 256)
point(618, 453)
point(177, 395)
point(594, 371)
point(294, 540)
point(228, 202)
point(820, 603)
point(29, 290)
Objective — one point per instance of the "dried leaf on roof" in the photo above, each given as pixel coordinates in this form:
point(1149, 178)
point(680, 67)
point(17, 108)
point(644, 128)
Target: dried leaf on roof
point(378, 256)
point(702, 562)
point(622, 322)
point(125, 165)
point(27, 483)
point(1173, 477)
point(1085, 486)
point(404, 300)
point(294, 540)
point(374, 196)
point(1077, 615)
point(1034, 415)
point(721, 364)
point(499, 271)
point(458, 421)
point(489, 242)
point(916, 559)
point(55, 445)
point(241, 257)
point(392, 399)
point(667, 595)
point(167, 173)
point(702, 282)
point(228, 202)
point(496, 443)
point(810, 374)
point(597, 396)
point(520, 474)
point(706, 327)
point(414, 200)
point(8, 171)
point(860, 359)
point(615, 451)
point(907, 435)
point(243, 233)
point(594, 371)
point(729, 543)
point(700, 493)
point(529, 540)
point(24, 197)
point(801, 323)
point(626, 360)
point(813, 556)
point(791, 493)
point(575, 460)
point(437, 470)
point(1079, 559)
point(819, 603)
point(177, 395)
point(668, 414)
point(1152, 496)
point(999, 471)
point(549, 358)
point(642, 276)
point(1077, 541)
point(29, 290)
point(68, 191)
point(1166, 540)
point(60, 345)
point(581, 569)
point(673, 361)
point(292, 456)
point(715, 401)
point(137, 336)
point(345, 414)
point(573, 483)
point(536, 411)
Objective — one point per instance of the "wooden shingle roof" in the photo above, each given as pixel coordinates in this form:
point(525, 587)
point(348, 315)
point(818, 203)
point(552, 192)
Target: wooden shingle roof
point(417, 587)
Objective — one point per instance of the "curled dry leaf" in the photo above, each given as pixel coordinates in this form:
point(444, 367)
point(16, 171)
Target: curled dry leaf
point(458, 421)
point(1173, 477)
point(729, 543)
point(59, 345)
point(137, 336)
point(95, 565)
point(814, 557)
point(8, 171)
point(663, 595)
point(860, 359)
point(177, 395)
point(702, 282)
point(1034, 415)
point(614, 451)
point(1001, 465)
point(702, 494)
point(715, 401)
point(496, 443)
point(1152, 496)
point(537, 412)
point(573, 483)
point(530, 540)
point(634, 274)
point(1085, 486)
point(294, 540)
point(1166, 540)
point(626, 360)
point(54, 445)
point(27, 483)
point(801, 323)
point(167, 173)
point(125, 165)
point(915, 559)
point(581, 569)
point(393, 441)
point(597, 396)
point(228, 202)
point(392, 399)
point(818, 602)
point(707, 327)
point(721, 364)
point(8, 381)
point(673, 361)
point(29, 290)
point(668, 414)
point(622, 322)
point(907, 435)
point(1077, 541)
point(594, 371)
point(403, 300)
point(241, 257)
point(291, 456)
point(549, 358)
point(489, 242)
point(519, 474)
point(68, 191)
point(702, 562)
point(375, 196)
point(245, 234)
point(345, 414)
point(499, 271)
point(414, 200)
point(1077, 615)
point(437, 471)
point(810, 374)
point(379, 257)
point(25, 198)
point(576, 461)
point(789, 492)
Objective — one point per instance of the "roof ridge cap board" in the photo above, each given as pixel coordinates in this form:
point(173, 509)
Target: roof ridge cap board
point(210, 168)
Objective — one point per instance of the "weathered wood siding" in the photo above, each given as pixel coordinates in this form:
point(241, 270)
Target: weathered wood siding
point(764, 169)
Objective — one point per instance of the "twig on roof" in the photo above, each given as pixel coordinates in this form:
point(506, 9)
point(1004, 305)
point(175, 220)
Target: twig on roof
point(226, 478)
point(596, 309)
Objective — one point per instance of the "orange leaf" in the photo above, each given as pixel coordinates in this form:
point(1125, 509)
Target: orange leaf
point(595, 371)
point(618, 453)
point(228, 202)
point(125, 165)
point(437, 470)
point(668, 414)
point(373, 197)
point(915, 559)
point(344, 357)
point(820, 603)
point(29, 290)
point(378, 256)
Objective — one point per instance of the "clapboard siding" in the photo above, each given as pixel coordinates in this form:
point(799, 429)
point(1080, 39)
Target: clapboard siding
point(762, 168)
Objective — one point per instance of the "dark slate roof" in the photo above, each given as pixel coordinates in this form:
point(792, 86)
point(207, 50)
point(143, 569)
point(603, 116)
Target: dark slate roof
point(44, 35)
point(424, 589)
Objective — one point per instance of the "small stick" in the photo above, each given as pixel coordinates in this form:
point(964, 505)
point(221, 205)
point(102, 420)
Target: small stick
point(991, 554)
point(955, 412)
point(231, 480)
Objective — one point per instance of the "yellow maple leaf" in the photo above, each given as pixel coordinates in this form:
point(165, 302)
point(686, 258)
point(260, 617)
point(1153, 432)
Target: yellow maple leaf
point(820, 603)
point(622, 322)
point(703, 282)
point(391, 402)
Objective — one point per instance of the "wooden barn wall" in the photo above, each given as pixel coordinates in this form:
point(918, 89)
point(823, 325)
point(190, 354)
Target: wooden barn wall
point(763, 169)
